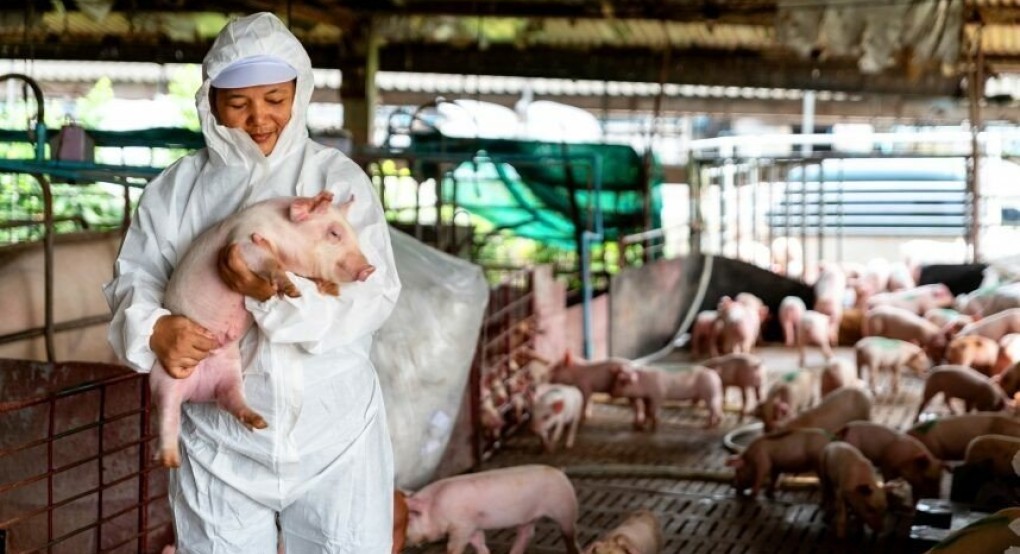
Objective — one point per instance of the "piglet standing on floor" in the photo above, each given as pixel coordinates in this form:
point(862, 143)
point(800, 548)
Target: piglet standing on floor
point(556, 408)
point(588, 376)
point(897, 455)
point(770, 455)
point(743, 371)
point(640, 533)
point(814, 330)
point(947, 437)
point(463, 507)
point(309, 237)
point(956, 381)
point(850, 485)
point(788, 396)
point(875, 354)
point(654, 386)
point(790, 311)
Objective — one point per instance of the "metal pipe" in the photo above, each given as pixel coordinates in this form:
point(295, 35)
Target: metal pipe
point(821, 212)
point(803, 222)
point(144, 455)
point(975, 89)
point(738, 209)
point(587, 237)
point(48, 239)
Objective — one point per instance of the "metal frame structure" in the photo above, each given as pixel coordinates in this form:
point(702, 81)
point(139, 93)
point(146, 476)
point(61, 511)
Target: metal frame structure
point(101, 405)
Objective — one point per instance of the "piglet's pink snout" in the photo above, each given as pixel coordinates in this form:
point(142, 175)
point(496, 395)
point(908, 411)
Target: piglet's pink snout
point(365, 272)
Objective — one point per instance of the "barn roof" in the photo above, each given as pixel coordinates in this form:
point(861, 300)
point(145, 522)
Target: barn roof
point(783, 44)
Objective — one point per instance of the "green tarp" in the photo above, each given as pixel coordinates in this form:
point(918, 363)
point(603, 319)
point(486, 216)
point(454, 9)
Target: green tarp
point(525, 186)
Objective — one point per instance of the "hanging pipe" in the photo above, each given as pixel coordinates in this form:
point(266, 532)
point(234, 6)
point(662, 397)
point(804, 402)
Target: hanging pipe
point(587, 238)
point(40, 114)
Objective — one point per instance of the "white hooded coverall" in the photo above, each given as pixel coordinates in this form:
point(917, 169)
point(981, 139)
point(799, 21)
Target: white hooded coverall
point(324, 465)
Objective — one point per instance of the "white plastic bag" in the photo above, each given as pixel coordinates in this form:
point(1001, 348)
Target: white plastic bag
point(424, 352)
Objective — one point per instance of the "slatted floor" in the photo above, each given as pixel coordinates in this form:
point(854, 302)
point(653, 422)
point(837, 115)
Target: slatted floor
point(678, 473)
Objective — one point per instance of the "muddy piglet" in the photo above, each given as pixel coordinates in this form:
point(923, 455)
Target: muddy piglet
point(947, 437)
point(463, 507)
point(897, 455)
point(957, 381)
point(980, 353)
point(850, 484)
point(769, 456)
point(640, 533)
point(309, 237)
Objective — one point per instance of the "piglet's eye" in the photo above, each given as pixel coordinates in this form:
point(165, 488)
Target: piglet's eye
point(334, 234)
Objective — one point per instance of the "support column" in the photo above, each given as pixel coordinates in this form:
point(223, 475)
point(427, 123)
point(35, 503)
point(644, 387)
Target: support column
point(358, 95)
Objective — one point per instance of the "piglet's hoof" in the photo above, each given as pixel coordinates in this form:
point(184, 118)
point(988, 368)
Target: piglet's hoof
point(169, 458)
point(252, 420)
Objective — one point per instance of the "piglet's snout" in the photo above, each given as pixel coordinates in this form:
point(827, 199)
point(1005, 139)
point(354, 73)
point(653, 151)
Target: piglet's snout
point(365, 272)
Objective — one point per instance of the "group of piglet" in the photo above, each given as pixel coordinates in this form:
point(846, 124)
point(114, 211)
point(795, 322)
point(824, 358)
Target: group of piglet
point(968, 353)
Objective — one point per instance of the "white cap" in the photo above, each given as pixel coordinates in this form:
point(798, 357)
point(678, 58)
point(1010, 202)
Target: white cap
point(255, 71)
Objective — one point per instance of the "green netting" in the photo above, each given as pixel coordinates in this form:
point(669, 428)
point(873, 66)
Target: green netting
point(525, 186)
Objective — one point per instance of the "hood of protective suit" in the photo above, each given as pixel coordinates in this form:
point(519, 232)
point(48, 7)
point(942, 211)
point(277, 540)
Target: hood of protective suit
point(261, 34)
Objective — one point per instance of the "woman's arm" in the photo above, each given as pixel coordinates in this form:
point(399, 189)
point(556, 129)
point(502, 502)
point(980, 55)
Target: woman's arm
point(142, 331)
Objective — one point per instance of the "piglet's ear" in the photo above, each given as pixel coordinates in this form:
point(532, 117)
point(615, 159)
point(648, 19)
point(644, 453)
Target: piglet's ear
point(346, 206)
point(415, 505)
point(303, 207)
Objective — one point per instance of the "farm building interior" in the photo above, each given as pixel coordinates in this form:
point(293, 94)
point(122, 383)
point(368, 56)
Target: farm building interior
point(610, 219)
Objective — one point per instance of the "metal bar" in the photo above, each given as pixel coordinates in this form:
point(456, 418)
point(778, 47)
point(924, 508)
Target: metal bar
point(49, 469)
point(57, 328)
point(839, 216)
point(71, 499)
point(101, 467)
point(144, 456)
point(821, 212)
point(48, 239)
point(803, 221)
point(770, 218)
point(738, 208)
point(975, 88)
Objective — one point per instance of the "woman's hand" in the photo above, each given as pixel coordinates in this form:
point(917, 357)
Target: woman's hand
point(180, 344)
point(241, 279)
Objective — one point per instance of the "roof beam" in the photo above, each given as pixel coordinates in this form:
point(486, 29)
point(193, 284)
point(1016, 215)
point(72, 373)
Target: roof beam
point(738, 69)
point(761, 12)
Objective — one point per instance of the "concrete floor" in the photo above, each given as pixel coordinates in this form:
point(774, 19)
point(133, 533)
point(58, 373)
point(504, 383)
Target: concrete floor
point(679, 473)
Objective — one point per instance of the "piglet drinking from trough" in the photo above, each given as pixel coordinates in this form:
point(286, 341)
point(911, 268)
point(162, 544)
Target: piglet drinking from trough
point(306, 236)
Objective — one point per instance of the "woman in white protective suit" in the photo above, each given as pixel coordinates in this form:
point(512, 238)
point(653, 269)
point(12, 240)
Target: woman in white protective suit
point(320, 477)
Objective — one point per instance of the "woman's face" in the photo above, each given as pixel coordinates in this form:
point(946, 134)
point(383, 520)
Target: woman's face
point(261, 111)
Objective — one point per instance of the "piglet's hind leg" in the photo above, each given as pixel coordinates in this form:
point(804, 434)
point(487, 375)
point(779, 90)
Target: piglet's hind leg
point(230, 390)
point(167, 394)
